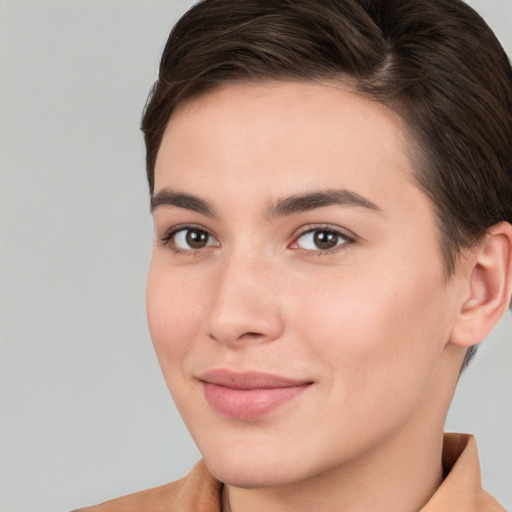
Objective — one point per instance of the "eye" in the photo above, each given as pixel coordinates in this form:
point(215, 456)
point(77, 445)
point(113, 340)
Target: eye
point(321, 239)
point(189, 239)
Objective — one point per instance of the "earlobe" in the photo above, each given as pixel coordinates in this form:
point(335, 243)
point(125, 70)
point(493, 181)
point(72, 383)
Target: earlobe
point(490, 287)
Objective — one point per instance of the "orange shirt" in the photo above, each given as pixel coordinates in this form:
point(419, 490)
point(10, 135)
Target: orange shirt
point(199, 491)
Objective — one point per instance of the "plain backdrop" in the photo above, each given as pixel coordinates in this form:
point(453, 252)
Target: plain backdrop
point(85, 413)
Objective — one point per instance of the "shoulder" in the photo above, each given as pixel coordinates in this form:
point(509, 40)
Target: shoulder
point(150, 499)
point(199, 490)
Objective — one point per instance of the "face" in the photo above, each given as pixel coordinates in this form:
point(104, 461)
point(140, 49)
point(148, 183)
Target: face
point(296, 296)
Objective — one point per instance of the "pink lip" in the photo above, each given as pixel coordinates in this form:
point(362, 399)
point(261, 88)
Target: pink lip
point(248, 395)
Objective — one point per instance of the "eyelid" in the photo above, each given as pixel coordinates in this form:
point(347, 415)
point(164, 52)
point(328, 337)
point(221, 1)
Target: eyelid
point(348, 236)
point(167, 238)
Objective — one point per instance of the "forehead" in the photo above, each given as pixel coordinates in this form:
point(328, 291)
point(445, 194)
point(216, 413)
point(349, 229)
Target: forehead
point(298, 132)
point(312, 107)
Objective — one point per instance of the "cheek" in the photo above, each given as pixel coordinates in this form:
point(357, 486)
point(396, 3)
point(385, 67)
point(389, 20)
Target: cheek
point(173, 307)
point(377, 330)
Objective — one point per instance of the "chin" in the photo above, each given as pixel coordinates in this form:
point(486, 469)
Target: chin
point(246, 476)
point(259, 469)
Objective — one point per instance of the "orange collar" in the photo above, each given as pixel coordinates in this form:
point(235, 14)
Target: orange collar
point(199, 491)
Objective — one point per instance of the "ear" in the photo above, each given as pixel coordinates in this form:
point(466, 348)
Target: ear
point(487, 296)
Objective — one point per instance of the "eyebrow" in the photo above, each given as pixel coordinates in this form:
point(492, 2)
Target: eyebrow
point(318, 199)
point(168, 197)
point(282, 207)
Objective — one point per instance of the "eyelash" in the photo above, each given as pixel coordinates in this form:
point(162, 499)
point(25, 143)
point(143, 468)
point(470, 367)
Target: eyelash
point(168, 239)
point(345, 237)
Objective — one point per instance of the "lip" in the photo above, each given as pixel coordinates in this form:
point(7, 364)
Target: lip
point(248, 395)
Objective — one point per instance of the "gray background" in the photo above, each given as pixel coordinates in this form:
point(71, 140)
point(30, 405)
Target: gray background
point(85, 414)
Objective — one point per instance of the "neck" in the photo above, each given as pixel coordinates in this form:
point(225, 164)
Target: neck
point(400, 476)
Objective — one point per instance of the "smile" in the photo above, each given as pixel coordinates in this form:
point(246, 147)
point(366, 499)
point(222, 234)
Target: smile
point(248, 395)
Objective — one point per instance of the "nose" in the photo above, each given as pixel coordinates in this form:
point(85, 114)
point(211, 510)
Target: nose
point(245, 304)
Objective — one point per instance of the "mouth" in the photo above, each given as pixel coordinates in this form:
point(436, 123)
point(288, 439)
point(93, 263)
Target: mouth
point(249, 395)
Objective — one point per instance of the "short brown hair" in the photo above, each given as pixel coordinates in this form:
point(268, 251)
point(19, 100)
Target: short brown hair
point(434, 62)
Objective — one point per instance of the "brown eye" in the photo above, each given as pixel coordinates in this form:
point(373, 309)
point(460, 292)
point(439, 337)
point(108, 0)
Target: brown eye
point(190, 239)
point(321, 240)
point(325, 239)
point(196, 239)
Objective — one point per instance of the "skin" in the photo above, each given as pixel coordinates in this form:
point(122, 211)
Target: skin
point(368, 322)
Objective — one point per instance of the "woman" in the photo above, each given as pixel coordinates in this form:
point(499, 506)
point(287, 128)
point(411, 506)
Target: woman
point(332, 195)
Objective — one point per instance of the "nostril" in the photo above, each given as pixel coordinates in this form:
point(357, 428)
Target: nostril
point(251, 335)
point(247, 336)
